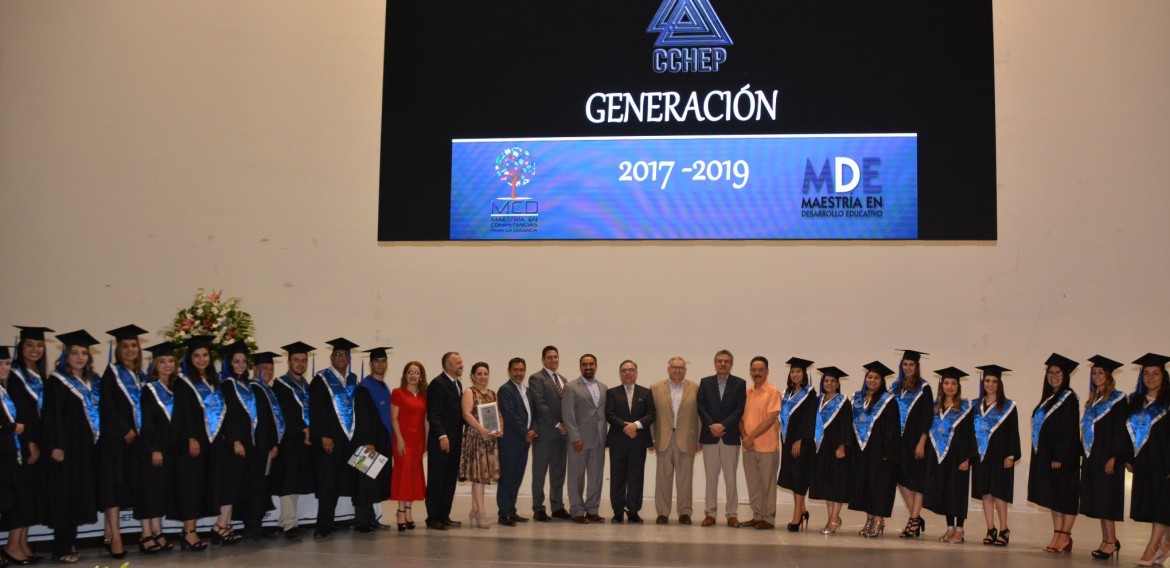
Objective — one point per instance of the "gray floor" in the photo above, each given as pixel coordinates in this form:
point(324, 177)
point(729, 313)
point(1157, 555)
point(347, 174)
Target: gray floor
point(562, 544)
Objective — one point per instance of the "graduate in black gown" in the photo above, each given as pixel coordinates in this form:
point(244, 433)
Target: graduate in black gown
point(198, 410)
point(1147, 455)
point(371, 406)
point(72, 431)
point(26, 388)
point(269, 431)
point(798, 419)
point(997, 437)
point(155, 482)
point(915, 400)
point(950, 451)
point(835, 447)
point(1054, 472)
point(875, 424)
point(1102, 477)
point(118, 447)
point(10, 430)
point(233, 445)
point(332, 418)
point(292, 471)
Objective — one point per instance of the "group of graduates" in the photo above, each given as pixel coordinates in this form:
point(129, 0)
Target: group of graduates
point(940, 451)
point(179, 440)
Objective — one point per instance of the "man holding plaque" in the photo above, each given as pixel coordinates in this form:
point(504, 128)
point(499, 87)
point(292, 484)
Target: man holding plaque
point(371, 407)
point(583, 410)
point(517, 409)
point(331, 416)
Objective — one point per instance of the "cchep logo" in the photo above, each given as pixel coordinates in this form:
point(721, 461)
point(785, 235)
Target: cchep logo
point(515, 214)
point(690, 37)
point(841, 179)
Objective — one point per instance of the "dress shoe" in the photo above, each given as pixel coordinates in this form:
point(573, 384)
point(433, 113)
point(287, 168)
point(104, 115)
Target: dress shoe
point(379, 526)
point(542, 517)
point(320, 533)
point(764, 526)
point(733, 522)
point(562, 515)
point(364, 529)
point(617, 519)
point(507, 521)
point(708, 521)
point(437, 525)
point(684, 519)
point(594, 518)
point(452, 524)
point(661, 520)
point(749, 524)
point(635, 519)
point(293, 533)
point(580, 520)
point(519, 519)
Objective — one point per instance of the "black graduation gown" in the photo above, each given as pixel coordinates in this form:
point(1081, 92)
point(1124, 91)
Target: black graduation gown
point(258, 499)
point(71, 483)
point(831, 479)
point(947, 490)
point(875, 469)
point(1150, 488)
point(796, 473)
point(911, 471)
point(369, 429)
point(188, 421)
point(1060, 441)
point(118, 460)
point(29, 498)
point(155, 484)
point(989, 476)
point(7, 461)
point(292, 472)
point(335, 478)
point(228, 480)
point(1102, 494)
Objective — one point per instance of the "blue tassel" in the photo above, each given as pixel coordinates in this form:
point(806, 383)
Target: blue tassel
point(110, 353)
point(363, 375)
point(314, 365)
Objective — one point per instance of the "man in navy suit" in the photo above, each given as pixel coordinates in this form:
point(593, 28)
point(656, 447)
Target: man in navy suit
point(444, 441)
point(721, 400)
point(629, 409)
point(517, 410)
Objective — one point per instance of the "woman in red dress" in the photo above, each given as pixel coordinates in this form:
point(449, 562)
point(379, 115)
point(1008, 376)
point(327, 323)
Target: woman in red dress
point(408, 413)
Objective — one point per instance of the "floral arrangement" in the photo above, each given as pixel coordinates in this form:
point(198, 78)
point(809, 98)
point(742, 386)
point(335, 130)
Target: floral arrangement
point(212, 315)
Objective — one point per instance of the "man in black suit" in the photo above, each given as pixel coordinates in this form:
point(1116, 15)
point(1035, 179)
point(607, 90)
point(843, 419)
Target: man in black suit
point(721, 400)
point(516, 410)
point(444, 441)
point(629, 409)
point(550, 446)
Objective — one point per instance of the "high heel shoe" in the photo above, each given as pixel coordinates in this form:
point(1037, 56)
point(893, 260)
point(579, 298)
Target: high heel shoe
point(802, 523)
point(947, 535)
point(959, 537)
point(409, 522)
point(13, 561)
point(169, 546)
point(865, 529)
point(224, 535)
point(481, 521)
point(913, 528)
point(109, 546)
point(831, 528)
point(142, 548)
point(1004, 537)
point(1102, 555)
point(992, 534)
point(400, 518)
point(198, 546)
point(876, 529)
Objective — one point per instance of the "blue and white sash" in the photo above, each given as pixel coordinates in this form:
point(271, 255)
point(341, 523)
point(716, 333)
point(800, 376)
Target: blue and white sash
point(33, 384)
point(789, 404)
point(987, 421)
point(301, 395)
point(1141, 422)
point(275, 406)
point(342, 398)
point(1094, 412)
point(906, 400)
point(131, 387)
point(163, 397)
point(942, 428)
point(211, 401)
point(826, 414)
point(864, 418)
point(9, 408)
point(89, 395)
point(1041, 414)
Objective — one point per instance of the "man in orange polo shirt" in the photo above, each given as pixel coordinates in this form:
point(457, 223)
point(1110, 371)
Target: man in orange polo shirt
point(761, 445)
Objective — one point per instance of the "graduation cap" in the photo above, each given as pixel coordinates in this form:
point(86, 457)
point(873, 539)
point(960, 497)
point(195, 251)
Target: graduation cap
point(912, 355)
point(126, 332)
point(33, 332)
point(378, 352)
point(1152, 360)
point(1105, 363)
point(298, 347)
point(164, 349)
point(79, 338)
point(802, 363)
point(228, 351)
point(879, 368)
point(993, 370)
point(264, 358)
point(198, 341)
point(833, 372)
point(951, 373)
point(4, 353)
point(341, 344)
point(1066, 365)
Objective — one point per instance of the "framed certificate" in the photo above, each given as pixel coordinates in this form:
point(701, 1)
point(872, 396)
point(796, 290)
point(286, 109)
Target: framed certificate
point(489, 416)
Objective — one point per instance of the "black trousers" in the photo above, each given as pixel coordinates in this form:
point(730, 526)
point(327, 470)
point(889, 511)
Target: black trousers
point(63, 540)
point(627, 471)
point(513, 462)
point(442, 475)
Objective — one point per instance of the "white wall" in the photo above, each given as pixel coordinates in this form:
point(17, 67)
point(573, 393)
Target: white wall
point(148, 149)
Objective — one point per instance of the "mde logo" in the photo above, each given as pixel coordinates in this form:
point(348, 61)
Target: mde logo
point(838, 178)
point(516, 168)
point(690, 38)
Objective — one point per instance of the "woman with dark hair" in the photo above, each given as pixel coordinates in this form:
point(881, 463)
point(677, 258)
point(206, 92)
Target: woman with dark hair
point(835, 445)
point(950, 449)
point(408, 415)
point(198, 412)
point(118, 449)
point(72, 431)
point(1054, 471)
point(997, 437)
point(1102, 428)
point(798, 421)
point(233, 444)
point(480, 461)
point(26, 388)
point(1146, 456)
point(875, 423)
point(155, 486)
point(914, 411)
point(10, 430)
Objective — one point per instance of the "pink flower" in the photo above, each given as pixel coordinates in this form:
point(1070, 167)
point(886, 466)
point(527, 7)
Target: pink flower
point(188, 323)
point(207, 324)
point(213, 297)
point(231, 334)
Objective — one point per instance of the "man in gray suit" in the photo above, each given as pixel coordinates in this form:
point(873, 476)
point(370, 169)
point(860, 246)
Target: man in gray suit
point(583, 411)
point(549, 447)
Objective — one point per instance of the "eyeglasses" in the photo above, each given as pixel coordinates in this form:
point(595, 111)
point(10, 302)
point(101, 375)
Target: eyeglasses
point(413, 373)
point(628, 371)
point(678, 368)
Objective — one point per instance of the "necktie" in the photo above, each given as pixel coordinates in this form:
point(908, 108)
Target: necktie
point(630, 398)
point(458, 387)
point(557, 382)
